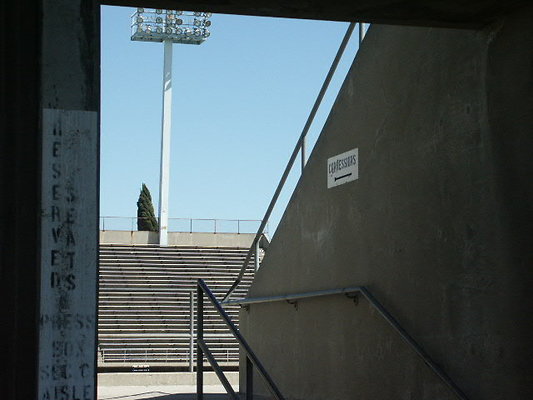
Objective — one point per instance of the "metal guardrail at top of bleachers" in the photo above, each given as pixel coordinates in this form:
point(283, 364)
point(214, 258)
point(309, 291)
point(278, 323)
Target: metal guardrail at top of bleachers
point(198, 225)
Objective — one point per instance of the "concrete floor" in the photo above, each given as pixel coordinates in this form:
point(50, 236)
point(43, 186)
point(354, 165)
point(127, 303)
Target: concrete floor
point(166, 392)
point(161, 386)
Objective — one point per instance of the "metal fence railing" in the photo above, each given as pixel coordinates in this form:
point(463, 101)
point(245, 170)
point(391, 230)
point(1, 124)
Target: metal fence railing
point(298, 149)
point(202, 350)
point(199, 225)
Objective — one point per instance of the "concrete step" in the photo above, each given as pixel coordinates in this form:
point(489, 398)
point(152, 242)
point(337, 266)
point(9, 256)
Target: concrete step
point(144, 302)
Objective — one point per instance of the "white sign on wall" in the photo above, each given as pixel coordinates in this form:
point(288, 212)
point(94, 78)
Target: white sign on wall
point(67, 337)
point(343, 168)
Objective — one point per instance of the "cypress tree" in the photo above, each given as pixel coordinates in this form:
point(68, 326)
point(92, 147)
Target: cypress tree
point(146, 220)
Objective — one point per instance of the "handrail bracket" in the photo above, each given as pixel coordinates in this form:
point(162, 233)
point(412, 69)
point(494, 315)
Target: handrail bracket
point(354, 296)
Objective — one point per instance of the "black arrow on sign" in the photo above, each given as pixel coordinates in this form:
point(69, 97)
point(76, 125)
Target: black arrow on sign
point(343, 176)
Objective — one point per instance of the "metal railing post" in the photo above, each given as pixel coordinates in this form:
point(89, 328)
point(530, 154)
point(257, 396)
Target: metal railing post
point(191, 332)
point(191, 224)
point(274, 391)
point(249, 379)
point(199, 351)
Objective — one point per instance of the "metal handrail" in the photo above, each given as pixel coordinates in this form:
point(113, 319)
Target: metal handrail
point(293, 296)
point(299, 145)
point(382, 311)
point(201, 348)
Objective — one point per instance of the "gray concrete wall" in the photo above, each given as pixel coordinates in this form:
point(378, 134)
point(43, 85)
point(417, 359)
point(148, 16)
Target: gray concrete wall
point(242, 240)
point(438, 225)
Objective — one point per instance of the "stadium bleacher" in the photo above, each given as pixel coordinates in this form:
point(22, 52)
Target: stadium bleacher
point(144, 316)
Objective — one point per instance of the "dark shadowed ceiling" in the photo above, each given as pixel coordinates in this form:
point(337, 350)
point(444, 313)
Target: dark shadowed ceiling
point(451, 13)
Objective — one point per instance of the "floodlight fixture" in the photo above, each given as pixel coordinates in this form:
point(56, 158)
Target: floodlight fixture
point(158, 25)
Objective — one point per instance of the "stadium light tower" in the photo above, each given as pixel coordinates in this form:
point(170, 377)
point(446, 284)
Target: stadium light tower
point(168, 26)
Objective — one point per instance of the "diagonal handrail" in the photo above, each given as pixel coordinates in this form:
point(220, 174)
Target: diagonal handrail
point(251, 357)
point(381, 310)
point(294, 154)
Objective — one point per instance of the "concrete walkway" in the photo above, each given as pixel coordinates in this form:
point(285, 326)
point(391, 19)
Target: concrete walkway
point(161, 386)
point(167, 392)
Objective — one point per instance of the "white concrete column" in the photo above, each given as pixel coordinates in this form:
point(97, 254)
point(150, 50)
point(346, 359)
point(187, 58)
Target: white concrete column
point(165, 144)
point(68, 216)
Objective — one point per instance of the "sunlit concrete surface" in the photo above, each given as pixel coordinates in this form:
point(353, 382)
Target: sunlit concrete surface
point(165, 392)
point(161, 386)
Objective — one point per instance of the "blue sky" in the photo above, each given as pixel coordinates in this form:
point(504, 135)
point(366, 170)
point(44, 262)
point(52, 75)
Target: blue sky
point(240, 101)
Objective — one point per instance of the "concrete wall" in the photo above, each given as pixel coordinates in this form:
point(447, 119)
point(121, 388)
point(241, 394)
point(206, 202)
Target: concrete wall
point(438, 225)
point(69, 186)
point(242, 240)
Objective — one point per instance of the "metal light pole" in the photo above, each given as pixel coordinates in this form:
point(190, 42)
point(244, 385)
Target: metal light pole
point(166, 120)
point(168, 26)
